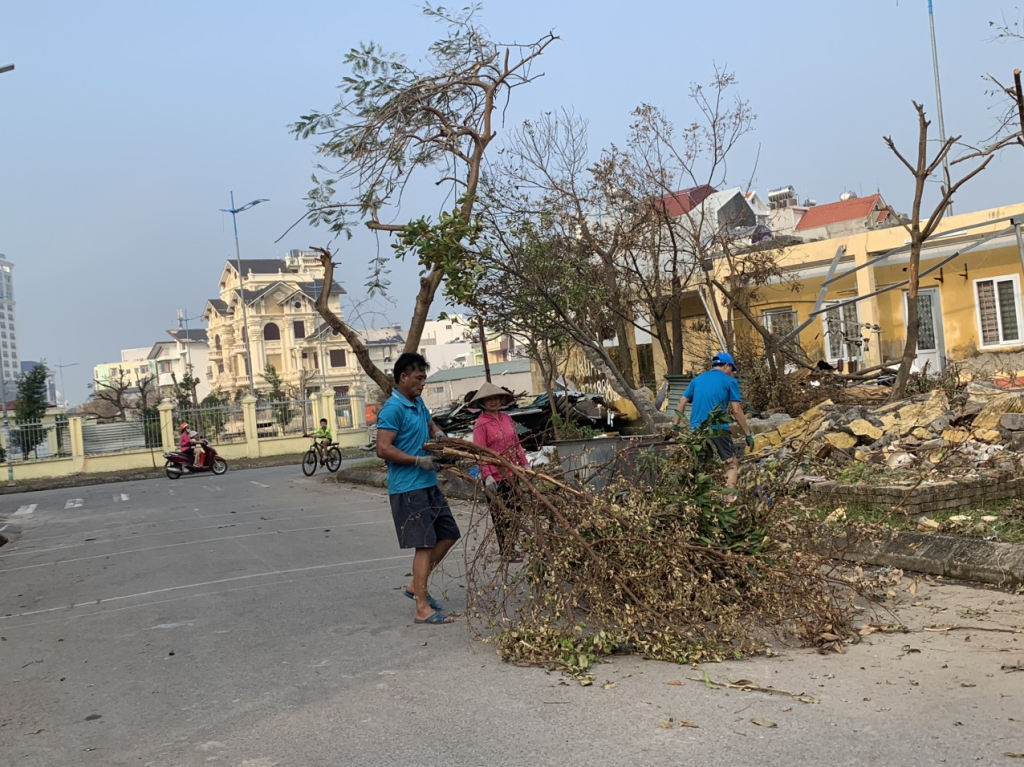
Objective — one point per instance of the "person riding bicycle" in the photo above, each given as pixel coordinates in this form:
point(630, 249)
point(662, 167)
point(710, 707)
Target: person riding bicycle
point(323, 439)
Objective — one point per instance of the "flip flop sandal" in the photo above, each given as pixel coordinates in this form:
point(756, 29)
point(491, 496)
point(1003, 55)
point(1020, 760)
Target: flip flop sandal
point(434, 604)
point(437, 618)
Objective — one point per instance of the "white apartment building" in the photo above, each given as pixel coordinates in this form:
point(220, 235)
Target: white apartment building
point(8, 330)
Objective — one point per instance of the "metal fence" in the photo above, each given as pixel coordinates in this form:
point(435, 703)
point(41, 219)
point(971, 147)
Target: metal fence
point(140, 434)
point(220, 424)
point(36, 441)
point(280, 418)
point(343, 411)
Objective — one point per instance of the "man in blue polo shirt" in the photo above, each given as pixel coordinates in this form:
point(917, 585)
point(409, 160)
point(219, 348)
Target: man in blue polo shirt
point(423, 520)
point(717, 390)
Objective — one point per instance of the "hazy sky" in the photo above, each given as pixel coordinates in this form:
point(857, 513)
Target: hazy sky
point(126, 124)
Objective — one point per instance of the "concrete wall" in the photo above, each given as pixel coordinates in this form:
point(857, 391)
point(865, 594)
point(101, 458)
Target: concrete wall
point(252, 447)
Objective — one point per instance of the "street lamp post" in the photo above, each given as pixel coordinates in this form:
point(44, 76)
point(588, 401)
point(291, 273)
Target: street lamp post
point(64, 392)
point(241, 289)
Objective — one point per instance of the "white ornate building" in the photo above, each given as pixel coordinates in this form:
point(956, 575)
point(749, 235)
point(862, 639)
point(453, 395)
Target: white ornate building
point(285, 329)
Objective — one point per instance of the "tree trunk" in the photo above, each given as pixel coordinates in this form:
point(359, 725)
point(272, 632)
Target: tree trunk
point(899, 389)
point(428, 287)
point(675, 364)
point(358, 347)
point(599, 357)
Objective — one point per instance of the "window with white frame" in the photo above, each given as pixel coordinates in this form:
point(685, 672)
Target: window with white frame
point(842, 332)
point(999, 315)
point(779, 322)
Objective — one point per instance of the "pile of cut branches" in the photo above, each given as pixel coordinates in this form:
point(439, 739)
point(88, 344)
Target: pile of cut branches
point(661, 565)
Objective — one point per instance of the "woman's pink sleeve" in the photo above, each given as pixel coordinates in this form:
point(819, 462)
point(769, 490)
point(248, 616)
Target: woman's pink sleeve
point(480, 437)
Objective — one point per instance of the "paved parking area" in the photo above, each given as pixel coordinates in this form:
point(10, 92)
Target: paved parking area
point(257, 619)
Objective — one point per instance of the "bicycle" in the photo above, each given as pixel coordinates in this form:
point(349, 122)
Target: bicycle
point(312, 459)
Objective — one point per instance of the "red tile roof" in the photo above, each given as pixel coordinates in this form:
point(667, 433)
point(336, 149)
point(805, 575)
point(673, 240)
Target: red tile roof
point(682, 202)
point(834, 212)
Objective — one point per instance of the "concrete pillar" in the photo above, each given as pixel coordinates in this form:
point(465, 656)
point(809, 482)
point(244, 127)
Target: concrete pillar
point(327, 409)
point(77, 443)
point(168, 429)
point(49, 423)
point(252, 442)
point(868, 309)
point(358, 404)
point(314, 401)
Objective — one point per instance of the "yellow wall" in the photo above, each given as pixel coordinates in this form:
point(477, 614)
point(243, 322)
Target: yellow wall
point(134, 460)
point(808, 262)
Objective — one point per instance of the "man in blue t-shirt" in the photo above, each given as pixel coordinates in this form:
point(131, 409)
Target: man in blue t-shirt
point(423, 520)
point(717, 389)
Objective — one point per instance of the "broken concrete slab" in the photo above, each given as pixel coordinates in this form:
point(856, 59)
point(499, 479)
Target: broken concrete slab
point(841, 440)
point(862, 428)
point(948, 556)
point(991, 415)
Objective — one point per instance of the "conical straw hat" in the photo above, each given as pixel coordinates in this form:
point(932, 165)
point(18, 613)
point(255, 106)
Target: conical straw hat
point(490, 390)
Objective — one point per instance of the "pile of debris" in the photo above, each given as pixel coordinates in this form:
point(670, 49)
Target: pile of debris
point(980, 424)
point(532, 415)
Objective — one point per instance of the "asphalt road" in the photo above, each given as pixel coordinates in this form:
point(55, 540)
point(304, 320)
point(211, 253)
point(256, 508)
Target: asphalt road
point(257, 619)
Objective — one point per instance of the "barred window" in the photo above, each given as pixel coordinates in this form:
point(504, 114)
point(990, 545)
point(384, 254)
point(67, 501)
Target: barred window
point(998, 310)
point(842, 332)
point(779, 322)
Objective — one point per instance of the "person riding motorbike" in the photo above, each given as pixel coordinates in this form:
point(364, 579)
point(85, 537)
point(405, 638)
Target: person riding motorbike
point(187, 443)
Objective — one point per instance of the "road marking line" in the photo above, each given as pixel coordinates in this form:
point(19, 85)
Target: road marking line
point(171, 492)
point(201, 595)
point(240, 515)
point(214, 489)
point(4, 528)
point(184, 543)
point(122, 497)
point(74, 503)
point(24, 511)
point(205, 583)
point(253, 481)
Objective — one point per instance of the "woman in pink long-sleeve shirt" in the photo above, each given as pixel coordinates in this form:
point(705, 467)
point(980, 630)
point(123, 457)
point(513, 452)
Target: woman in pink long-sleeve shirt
point(496, 430)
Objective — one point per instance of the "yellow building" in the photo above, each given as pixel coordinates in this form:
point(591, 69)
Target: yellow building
point(970, 294)
point(285, 329)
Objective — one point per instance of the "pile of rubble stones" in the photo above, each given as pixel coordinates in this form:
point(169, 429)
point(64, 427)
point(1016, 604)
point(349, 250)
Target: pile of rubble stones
point(979, 425)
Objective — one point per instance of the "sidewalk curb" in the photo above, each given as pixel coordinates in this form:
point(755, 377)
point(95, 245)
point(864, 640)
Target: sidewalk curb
point(949, 556)
point(451, 486)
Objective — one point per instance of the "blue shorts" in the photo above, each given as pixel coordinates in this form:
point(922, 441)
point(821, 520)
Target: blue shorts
point(422, 518)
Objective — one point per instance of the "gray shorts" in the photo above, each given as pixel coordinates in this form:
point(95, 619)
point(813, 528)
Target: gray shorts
point(723, 445)
point(422, 518)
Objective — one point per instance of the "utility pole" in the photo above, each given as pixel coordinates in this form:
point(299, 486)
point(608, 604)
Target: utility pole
point(241, 289)
point(183, 321)
point(938, 104)
point(483, 348)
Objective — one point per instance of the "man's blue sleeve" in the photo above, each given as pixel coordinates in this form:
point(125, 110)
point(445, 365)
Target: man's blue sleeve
point(389, 419)
point(734, 391)
point(689, 392)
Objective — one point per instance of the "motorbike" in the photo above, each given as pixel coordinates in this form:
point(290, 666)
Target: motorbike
point(179, 463)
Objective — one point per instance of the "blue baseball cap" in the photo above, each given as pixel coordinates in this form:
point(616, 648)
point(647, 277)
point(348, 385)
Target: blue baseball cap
point(724, 358)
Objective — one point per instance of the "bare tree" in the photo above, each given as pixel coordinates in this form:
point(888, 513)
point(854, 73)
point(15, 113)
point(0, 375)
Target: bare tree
point(118, 396)
point(920, 229)
point(396, 120)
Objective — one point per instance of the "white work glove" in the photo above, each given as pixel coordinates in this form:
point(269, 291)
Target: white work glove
point(427, 463)
point(490, 483)
point(439, 436)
